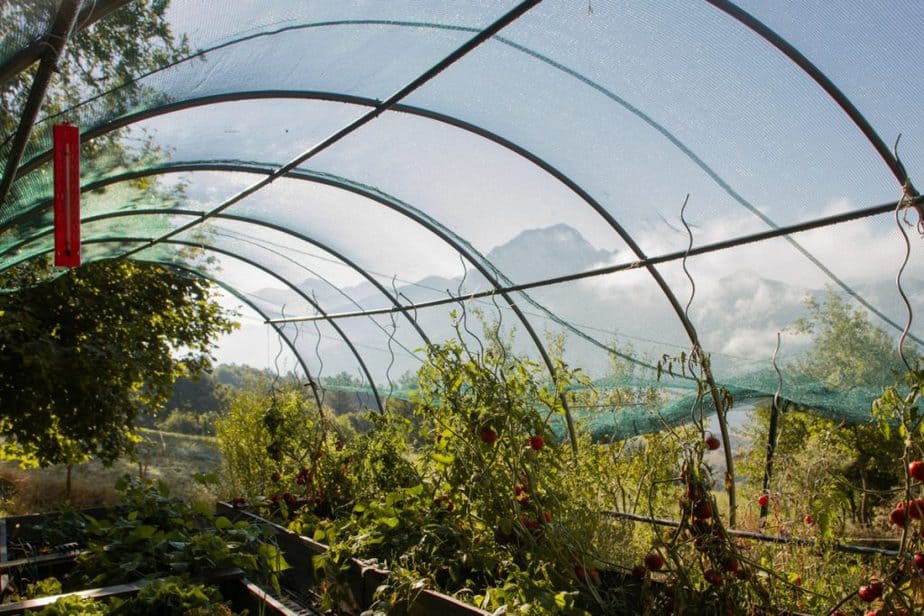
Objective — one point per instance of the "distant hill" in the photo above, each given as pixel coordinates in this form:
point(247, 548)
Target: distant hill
point(544, 253)
point(737, 316)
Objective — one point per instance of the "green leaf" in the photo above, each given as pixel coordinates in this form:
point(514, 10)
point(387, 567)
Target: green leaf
point(206, 479)
point(273, 557)
point(143, 532)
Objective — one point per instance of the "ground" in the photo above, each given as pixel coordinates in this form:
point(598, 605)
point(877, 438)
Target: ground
point(169, 456)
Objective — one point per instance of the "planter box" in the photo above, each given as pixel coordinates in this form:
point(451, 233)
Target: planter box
point(362, 578)
point(17, 530)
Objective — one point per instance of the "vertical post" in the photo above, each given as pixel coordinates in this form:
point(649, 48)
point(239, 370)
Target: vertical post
point(5, 578)
point(776, 408)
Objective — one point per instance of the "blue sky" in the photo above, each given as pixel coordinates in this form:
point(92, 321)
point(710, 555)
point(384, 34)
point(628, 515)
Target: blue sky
point(639, 103)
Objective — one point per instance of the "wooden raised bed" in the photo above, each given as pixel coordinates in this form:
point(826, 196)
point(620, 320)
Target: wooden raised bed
point(222, 579)
point(363, 579)
point(233, 586)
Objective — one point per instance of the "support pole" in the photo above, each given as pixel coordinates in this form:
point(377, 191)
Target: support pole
point(776, 408)
point(57, 39)
point(91, 13)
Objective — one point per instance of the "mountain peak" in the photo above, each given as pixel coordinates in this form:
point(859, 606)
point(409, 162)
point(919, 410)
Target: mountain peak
point(545, 252)
point(560, 232)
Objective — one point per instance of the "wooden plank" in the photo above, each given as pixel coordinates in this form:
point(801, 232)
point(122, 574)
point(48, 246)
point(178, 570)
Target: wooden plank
point(373, 577)
point(46, 560)
point(118, 590)
point(5, 578)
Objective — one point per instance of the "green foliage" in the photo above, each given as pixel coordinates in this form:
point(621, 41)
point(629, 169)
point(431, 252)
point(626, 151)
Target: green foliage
point(106, 55)
point(174, 596)
point(266, 437)
point(153, 535)
point(839, 472)
point(478, 511)
point(381, 459)
point(239, 376)
point(641, 471)
point(82, 356)
point(186, 422)
point(75, 606)
point(493, 505)
point(847, 349)
point(43, 588)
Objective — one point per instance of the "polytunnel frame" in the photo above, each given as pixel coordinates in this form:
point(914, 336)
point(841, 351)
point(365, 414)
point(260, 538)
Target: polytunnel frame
point(404, 210)
point(727, 7)
point(240, 296)
point(167, 108)
point(481, 36)
point(334, 97)
point(220, 283)
point(723, 5)
point(265, 269)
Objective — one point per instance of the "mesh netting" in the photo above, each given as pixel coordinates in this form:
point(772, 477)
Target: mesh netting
point(548, 181)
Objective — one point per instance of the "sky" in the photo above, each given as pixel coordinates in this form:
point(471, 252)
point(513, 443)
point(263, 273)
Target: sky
point(642, 105)
point(765, 138)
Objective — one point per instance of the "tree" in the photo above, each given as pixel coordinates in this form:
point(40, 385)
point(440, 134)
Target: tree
point(197, 394)
point(70, 348)
point(239, 376)
point(83, 355)
point(847, 350)
point(835, 461)
point(106, 55)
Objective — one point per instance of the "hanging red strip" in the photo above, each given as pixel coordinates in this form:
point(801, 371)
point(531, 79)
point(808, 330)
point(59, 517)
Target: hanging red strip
point(66, 155)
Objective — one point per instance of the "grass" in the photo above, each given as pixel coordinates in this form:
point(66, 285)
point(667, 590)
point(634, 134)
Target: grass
point(161, 456)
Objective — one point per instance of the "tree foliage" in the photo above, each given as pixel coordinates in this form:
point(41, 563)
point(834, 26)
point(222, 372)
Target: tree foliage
point(834, 463)
point(197, 394)
point(109, 54)
point(82, 356)
point(847, 349)
point(100, 63)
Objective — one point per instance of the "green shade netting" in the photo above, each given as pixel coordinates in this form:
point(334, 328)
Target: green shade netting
point(566, 143)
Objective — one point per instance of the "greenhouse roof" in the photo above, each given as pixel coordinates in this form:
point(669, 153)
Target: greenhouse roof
point(604, 178)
